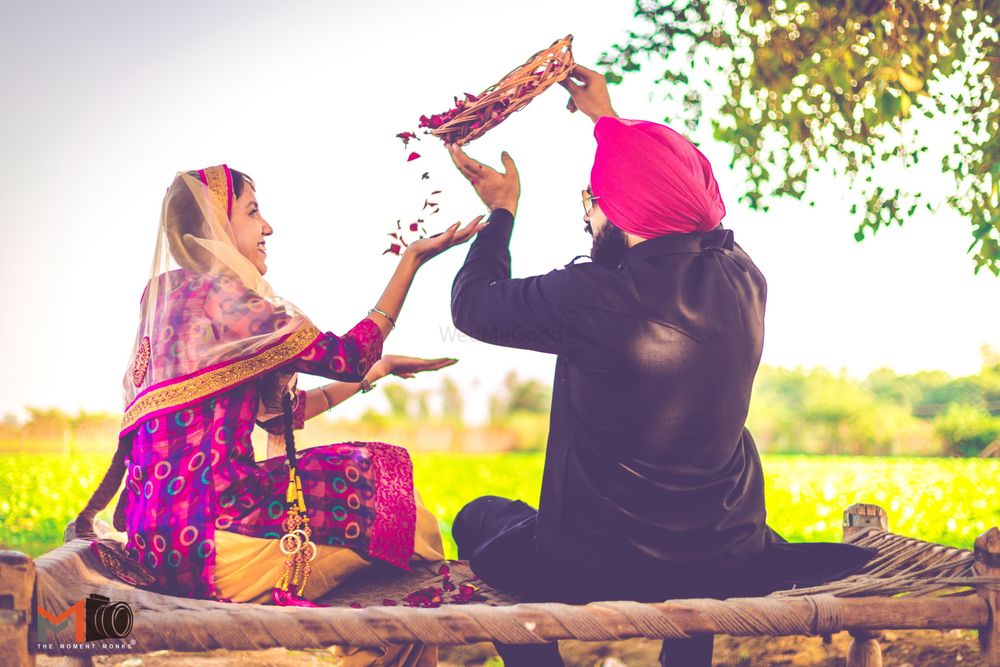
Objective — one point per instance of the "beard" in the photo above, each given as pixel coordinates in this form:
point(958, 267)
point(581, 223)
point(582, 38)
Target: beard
point(609, 247)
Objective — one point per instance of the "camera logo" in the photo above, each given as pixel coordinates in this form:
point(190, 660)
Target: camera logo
point(94, 618)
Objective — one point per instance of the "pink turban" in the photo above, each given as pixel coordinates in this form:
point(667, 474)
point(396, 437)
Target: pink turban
point(652, 181)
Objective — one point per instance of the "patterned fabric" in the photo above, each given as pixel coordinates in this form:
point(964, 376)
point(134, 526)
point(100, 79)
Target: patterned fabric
point(395, 508)
point(192, 471)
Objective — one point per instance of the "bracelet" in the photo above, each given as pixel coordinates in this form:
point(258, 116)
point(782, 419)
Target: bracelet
point(329, 403)
point(383, 314)
point(366, 386)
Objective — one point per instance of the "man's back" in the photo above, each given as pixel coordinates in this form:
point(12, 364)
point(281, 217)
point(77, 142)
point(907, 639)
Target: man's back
point(648, 462)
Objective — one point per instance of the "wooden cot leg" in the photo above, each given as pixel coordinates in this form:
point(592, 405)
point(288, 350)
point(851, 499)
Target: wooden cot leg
point(987, 552)
point(17, 588)
point(864, 650)
point(861, 517)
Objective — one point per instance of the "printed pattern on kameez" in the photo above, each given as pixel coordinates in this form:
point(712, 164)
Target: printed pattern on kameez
point(192, 471)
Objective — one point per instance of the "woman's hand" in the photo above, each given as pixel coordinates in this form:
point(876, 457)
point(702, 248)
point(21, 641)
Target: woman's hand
point(590, 95)
point(495, 189)
point(424, 249)
point(323, 398)
point(405, 367)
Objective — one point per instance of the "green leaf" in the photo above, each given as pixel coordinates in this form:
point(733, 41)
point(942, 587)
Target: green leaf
point(904, 105)
point(910, 83)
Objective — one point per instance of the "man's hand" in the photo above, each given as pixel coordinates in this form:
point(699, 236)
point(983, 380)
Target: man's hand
point(590, 95)
point(495, 189)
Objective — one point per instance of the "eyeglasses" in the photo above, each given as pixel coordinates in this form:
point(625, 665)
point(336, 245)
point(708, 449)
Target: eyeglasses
point(588, 206)
point(588, 201)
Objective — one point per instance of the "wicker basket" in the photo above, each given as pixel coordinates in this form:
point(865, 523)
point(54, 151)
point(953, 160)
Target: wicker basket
point(476, 114)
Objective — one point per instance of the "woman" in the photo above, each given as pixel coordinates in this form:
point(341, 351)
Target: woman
point(216, 352)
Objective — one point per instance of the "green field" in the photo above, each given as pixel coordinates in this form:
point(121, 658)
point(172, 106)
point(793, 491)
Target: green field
point(943, 500)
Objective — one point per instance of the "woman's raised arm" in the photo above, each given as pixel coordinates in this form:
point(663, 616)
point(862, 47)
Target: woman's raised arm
point(386, 310)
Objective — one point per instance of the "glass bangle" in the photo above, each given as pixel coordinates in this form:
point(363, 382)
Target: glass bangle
point(383, 314)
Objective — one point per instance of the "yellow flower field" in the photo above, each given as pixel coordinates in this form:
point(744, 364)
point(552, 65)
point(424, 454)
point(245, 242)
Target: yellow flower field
point(943, 500)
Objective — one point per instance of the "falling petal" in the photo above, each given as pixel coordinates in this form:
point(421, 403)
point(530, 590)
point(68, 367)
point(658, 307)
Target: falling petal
point(413, 156)
point(425, 176)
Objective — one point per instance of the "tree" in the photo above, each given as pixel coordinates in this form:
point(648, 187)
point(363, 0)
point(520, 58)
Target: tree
point(520, 396)
point(811, 82)
point(452, 403)
point(399, 400)
point(48, 423)
point(967, 430)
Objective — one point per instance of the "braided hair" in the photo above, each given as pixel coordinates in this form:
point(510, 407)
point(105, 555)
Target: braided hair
point(286, 405)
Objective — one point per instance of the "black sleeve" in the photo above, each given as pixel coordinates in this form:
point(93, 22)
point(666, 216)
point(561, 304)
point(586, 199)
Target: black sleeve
point(487, 304)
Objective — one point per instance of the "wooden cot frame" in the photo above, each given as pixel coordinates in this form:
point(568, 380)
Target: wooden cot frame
point(863, 617)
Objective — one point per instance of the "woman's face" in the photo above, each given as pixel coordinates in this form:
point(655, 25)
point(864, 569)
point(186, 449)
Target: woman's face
point(249, 229)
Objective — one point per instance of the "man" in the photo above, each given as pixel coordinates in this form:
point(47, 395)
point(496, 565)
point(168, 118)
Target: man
point(652, 486)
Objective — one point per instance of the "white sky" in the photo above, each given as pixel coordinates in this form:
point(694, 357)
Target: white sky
point(104, 101)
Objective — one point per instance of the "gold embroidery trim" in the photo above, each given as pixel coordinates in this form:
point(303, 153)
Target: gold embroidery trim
point(221, 378)
point(218, 183)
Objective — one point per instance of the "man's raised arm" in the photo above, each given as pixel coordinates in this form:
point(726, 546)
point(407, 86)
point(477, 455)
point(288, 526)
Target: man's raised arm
point(486, 303)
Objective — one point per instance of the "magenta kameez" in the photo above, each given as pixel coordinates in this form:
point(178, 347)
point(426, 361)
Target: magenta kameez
point(191, 469)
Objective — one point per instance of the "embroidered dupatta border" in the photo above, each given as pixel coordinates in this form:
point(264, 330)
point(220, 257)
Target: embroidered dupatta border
point(202, 385)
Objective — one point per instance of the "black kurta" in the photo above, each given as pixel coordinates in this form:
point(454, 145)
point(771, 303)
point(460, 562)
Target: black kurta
point(652, 485)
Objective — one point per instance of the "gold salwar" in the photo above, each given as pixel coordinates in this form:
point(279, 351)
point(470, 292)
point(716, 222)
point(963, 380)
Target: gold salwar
point(247, 568)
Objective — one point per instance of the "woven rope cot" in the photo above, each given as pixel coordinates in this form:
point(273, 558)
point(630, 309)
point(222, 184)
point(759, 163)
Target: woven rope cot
point(911, 584)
